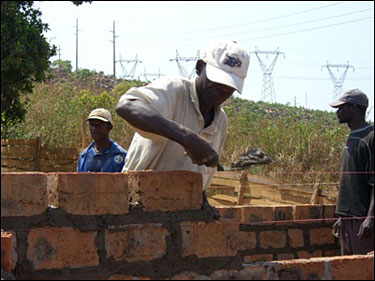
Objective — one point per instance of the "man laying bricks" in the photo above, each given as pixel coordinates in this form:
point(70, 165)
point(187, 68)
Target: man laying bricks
point(179, 123)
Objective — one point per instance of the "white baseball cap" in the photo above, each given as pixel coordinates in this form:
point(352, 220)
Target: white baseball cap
point(100, 114)
point(227, 63)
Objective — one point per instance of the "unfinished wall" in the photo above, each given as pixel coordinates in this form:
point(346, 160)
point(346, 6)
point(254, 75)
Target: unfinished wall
point(151, 225)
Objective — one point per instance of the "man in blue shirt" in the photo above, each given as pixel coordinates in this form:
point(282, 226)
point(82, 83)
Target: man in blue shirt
point(103, 154)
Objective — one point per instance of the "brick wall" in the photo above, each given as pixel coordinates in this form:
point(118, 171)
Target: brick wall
point(150, 225)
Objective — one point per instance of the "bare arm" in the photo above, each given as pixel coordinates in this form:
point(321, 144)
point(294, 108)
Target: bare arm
point(140, 115)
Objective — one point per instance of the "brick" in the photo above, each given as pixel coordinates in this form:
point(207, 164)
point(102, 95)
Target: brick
point(258, 258)
point(295, 237)
point(352, 267)
point(282, 213)
point(23, 194)
point(56, 248)
point(329, 213)
point(230, 212)
point(217, 239)
point(303, 269)
point(137, 242)
point(126, 277)
point(307, 255)
point(257, 214)
point(90, 193)
point(166, 190)
point(285, 256)
point(6, 251)
point(308, 213)
point(273, 239)
point(321, 236)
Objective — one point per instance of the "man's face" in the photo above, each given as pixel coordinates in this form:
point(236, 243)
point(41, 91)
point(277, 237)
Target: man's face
point(215, 93)
point(345, 112)
point(99, 129)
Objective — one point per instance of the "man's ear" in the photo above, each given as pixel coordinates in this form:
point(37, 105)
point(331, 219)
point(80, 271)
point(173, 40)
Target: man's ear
point(200, 66)
point(109, 126)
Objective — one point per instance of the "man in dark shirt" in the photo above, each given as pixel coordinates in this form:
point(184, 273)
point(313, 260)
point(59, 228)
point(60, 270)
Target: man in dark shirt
point(355, 205)
point(103, 154)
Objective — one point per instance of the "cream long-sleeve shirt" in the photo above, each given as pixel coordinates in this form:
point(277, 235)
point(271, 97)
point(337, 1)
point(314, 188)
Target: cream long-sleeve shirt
point(176, 100)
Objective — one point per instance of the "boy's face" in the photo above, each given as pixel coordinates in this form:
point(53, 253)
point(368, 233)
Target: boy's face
point(99, 129)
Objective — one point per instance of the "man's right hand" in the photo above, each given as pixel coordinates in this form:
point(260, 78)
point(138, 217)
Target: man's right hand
point(201, 152)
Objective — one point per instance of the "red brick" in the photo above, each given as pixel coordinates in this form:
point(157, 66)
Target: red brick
point(329, 213)
point(126, 277)
point(90, 193)
point(217, 239)
point(23, 194)
point(166, 190)
point(295, 238)
point(320, 236)
point(230, 212)
point(352, 267)
point(257, 214)
point(6, 251)
point(299, 269)
point(308, 213)
point(56, 248)
point(282, 213)
point(137, 242)
point(285, 256)
point(273, 239)
point(258, 258)
point(307, 255)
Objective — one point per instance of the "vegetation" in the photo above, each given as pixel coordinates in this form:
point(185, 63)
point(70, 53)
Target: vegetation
point(305, 145)
point(25, 55)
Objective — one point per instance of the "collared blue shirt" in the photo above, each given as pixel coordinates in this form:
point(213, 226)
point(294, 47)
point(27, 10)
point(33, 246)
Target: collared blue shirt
point(109, 160)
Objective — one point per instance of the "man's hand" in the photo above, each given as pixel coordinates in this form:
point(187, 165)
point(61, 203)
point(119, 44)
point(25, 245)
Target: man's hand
point(336, 228)
point(366, 228)
point(201, 152)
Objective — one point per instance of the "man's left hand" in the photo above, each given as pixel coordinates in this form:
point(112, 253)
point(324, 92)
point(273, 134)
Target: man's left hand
point(366, 229)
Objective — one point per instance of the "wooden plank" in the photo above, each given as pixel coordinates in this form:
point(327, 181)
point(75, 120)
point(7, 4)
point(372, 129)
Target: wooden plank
point(228, 174)
point(25, 142)
point(222, 181)
point(226, 198)
point(11, 152)
point(21, 164)
point(222, 188)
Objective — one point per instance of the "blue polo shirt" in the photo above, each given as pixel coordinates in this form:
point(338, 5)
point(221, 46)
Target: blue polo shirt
point(109, 160)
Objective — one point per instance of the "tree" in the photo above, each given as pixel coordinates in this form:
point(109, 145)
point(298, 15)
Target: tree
point(25, 55)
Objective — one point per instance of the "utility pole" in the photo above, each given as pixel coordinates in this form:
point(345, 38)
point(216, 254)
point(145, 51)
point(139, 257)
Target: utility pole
point(132, 71)
point(114, 49)
point(182, 69)
point(268, 91)
point(338, 83)
point(77, 45)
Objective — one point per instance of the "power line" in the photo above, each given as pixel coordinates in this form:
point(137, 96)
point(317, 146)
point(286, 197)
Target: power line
point(253, 22)
point(278, 27)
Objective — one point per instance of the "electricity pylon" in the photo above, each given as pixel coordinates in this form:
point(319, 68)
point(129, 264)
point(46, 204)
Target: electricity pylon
point(132, 71)
point(183, 72)
point(338, 83)
point(148, 75)
point(268, 89)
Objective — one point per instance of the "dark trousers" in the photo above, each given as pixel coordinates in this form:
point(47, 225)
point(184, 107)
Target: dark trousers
point(350, 243)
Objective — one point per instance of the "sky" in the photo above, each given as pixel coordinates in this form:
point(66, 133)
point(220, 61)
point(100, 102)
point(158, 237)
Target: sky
point(308, 36)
